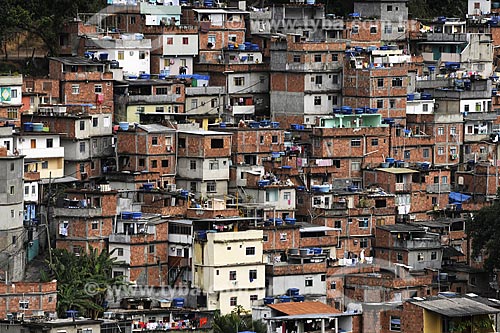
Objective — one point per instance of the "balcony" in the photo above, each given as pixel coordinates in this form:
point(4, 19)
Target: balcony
point(402, 187)
point(243, 109)
point(418, 243)
point(438, 188)
point(119, 238)
point(174, 261)
point(44, 153)
point(153, 99)
point(316, 66)
point(439, 37)
point(78, 212)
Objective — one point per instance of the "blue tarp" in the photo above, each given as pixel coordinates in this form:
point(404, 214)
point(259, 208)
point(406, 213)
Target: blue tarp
point(458, 197)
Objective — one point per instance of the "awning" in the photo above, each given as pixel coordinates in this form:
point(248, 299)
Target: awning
point(318, 229)
point(67, 179)
point(458, 197)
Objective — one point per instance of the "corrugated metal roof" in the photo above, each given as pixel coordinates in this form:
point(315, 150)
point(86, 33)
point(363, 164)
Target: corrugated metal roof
point(303, 308)
point(401, 227)
point(456, 307)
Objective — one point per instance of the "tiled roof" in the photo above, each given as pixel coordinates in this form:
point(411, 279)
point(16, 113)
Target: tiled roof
point(297, 308)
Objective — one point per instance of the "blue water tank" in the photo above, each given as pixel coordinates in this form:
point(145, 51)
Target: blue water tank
point(275, 124)
point(290, 220)
point(136, 215)
point(184, 193)
point(124, 125)
point(285, 299)
point(144, 76)
point(410, 97)
point(28, 127)
point(293, 291)
point(359, 110)
point(148, 186)
point(268, 300)
point(299, 298)
point(336, 110)
point(346, 110)
point(126, 215)
point(389, 160)
point(178, 302)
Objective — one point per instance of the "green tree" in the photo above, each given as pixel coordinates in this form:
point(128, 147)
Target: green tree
point(83, 281)
point(484, 230)
point(45, 18)
point(236, 321)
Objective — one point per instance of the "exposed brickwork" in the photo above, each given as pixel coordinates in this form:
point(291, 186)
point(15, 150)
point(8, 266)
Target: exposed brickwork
point(40, 297)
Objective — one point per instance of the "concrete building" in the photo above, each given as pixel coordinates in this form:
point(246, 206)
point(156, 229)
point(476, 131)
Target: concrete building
point(10, 98)
point(393, 16)
point(408, 245)
point(132, 54)
point(203, 162)
point(306, 79)
point(228, 268)
point(12, 207)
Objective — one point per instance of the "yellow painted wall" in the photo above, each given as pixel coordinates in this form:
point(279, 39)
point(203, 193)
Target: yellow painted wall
point(432, 322)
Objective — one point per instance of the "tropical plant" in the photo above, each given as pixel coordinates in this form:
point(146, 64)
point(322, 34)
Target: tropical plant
point(238, 320)
point(83, 281)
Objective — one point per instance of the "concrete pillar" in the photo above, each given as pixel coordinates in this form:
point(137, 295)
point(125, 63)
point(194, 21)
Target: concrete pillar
point(323, 326)
point(300, 327)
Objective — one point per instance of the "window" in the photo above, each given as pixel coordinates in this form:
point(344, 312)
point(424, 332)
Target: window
point(151, 248)
point(319, 79)
point(425, 153)
point(444, 180)
point(95, 225)
point(254, 298)
point(142, 55)
point(317, 58)
point(317, 100)
point(363, 223)
point(440, 150)
point(82, 147)
point(193, 187)
point(265, 238)
point(374, 142)
point(420, 256)
point(389, 8)
point(337, 224)
point(121, 55)
point(154, 140)
point(26, 190)
point(252, 275)
point(355, 29)
point(363, 243)
point(296, 58)
point(185, 40)
point(392, 103)
point(440, 130)
point(335, 79)
point(250, 251)
point(211, 186)
point(213, 165)
point(233, 301)
point(355, 166)
point(24, 304)
point(154, 164)
point(380, 103)
point(388, 29)
point(98, 88)
point(75, 89)
point(232, 275)
point(399, 256)
point(395, 324)
point(140, 109)
point(82, 125)
point(283, 236)
point(373, 30)
point(192, 165)
point(119, 251)
point(466, 108)
point(274, 139)
point(380, 82)
point(12, 113)
point(49, 143)
point(397, 82)
point(217, 143)
point(425, 107)
point(308, 282)
point(356, 143)
point(401, 28)
point(239, 81)
point(194, 103)
point(132, 20)
point(433, 255)
point(12, 190)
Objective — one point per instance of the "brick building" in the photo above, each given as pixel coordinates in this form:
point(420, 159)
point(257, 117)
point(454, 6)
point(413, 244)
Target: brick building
point(25, 300)
point(148, 148)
